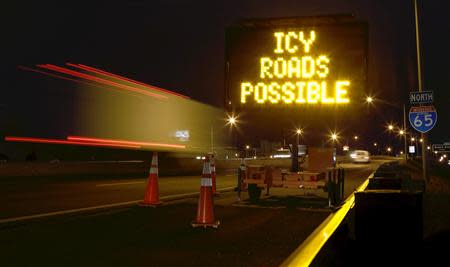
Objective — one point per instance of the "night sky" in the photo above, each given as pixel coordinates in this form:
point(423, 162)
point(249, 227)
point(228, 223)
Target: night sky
point(180, 44)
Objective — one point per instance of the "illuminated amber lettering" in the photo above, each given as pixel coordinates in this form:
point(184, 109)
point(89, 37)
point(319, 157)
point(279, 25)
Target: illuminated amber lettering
point(325, 99)
point(313, 89)
point(288, 94)
point(307, 67)
point(246, 89)
point(279, 36)
point(266, 64)
point(307, 43)
point(300, 92)
point(287, 42)
point(280, 68)
point(260, 93)
point(341, 92)
point(274, 94)
point(322, 63)
point(294, 67)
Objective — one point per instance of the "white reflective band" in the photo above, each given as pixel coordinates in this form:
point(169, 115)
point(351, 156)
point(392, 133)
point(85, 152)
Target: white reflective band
point(206, 182)
point(154, 170)
point(206, 169)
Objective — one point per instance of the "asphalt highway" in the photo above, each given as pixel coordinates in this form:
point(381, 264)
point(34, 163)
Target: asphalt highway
point(249, 235)
point(39, 195)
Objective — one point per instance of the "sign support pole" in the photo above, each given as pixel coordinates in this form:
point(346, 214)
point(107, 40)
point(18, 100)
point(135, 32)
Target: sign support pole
point(405, 131)
point(419, 76)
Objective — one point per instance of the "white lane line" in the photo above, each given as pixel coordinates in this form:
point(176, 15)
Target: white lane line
point(114, 184)
point(133, 202)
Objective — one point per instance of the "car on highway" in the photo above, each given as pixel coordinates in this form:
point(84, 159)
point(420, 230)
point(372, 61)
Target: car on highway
point(360, 156)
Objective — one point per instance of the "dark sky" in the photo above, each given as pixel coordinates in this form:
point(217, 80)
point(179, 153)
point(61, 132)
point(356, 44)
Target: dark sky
point(179, 44)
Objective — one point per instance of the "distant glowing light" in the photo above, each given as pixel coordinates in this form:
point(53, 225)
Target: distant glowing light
point(369, 99)
point(182, 135)
point(401, 132)
point(375, 144)
point(232, 120)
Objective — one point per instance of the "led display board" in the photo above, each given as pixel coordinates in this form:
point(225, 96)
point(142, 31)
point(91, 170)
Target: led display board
point(298, 62)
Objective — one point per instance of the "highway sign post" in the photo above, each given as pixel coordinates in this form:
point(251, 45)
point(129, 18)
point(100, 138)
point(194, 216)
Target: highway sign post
point(419, 98)
point(423, 118)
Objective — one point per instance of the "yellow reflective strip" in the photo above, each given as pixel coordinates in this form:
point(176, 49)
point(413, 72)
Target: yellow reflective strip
point(307, 251)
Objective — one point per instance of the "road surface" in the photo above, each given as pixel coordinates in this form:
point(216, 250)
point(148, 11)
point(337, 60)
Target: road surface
point(249, 235)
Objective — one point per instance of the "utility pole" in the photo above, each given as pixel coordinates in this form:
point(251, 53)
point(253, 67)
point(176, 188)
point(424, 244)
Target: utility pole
point(404, 131)
point(419, 76)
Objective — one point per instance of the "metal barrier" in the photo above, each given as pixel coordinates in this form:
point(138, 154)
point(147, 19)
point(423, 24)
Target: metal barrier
point(307, 251)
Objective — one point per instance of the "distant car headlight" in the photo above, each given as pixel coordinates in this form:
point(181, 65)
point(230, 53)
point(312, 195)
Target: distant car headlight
point(353, 155)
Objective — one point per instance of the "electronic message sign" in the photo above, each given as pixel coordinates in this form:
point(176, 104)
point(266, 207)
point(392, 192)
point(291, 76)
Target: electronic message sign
point(295, 63)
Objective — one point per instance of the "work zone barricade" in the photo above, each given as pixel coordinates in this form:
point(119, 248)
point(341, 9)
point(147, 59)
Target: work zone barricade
point(256, 178)
point(335, 186)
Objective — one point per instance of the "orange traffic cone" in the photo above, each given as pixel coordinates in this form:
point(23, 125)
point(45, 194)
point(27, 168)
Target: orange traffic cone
point(205, 210)
point(151, 197)
point(213, 174)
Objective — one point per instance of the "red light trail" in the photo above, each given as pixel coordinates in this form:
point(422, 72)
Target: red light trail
point(100, 80)
point(123, 142)
point(124, 79)
point(66, 142)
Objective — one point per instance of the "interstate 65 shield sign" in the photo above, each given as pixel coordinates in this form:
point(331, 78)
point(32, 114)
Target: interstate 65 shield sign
point(423, 118)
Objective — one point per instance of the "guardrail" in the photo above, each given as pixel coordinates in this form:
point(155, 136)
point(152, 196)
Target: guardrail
point(307, 251)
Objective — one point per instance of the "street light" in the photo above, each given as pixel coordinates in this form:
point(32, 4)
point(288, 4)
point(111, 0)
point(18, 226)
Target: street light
point(390, 127)
point(355, 137)
point(231, 120)
point(401, 132)
point(299, 132)
point(369, 100)
point(334, 136)
point(375, 144)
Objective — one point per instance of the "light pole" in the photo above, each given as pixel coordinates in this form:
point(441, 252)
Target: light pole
point(402, 133)
point(294, 151)
point(419, 77)
point(232, 123)
point(334, 137)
